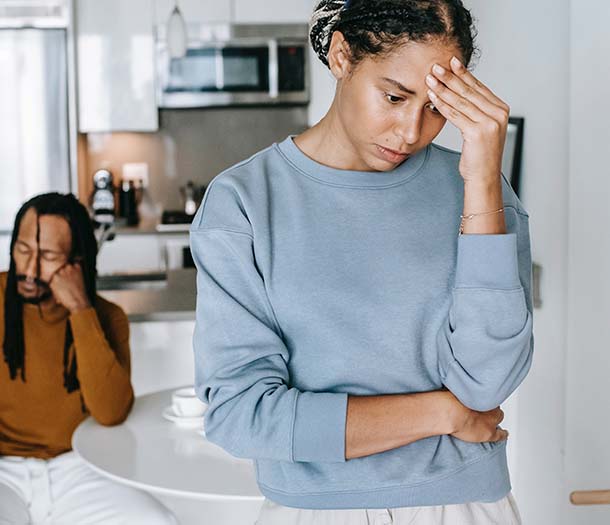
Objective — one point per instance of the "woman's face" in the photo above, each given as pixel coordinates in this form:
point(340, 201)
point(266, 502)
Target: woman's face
point(383, 102)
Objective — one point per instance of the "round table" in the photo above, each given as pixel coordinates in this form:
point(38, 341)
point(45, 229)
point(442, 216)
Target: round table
point(150, 453)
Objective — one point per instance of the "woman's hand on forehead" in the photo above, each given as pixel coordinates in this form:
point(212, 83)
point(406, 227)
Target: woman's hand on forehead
point(477, 112)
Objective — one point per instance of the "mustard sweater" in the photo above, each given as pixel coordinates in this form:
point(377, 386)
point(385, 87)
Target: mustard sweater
point(38, 416)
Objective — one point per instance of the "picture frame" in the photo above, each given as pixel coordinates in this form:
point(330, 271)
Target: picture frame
point(513, 152)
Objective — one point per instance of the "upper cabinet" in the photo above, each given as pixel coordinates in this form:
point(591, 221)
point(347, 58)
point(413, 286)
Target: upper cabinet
point(237, 11)
point(272, 11)
point(195, 11)
point(116, 52)
point(116, 68)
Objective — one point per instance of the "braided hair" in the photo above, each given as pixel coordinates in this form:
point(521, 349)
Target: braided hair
point(84, 246)
point(376, 27)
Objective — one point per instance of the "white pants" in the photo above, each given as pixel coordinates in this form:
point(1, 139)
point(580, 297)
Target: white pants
point(65, 491)
point(502, 512)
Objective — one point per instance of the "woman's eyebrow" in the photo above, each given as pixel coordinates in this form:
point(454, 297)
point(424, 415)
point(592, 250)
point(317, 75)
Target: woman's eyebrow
point(399, 85)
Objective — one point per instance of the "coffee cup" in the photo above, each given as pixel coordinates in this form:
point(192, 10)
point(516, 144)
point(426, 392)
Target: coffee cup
point(186, 403)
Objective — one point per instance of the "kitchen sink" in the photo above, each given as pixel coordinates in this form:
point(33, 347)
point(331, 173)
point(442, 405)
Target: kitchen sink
point(132, 281)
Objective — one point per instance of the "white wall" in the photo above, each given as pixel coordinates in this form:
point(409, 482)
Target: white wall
point(525, 50)
point(524, 60)
point(322, 88)
point(588, 362)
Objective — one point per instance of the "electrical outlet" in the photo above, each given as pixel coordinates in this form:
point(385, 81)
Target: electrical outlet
point(536, 279)
point(136, 171)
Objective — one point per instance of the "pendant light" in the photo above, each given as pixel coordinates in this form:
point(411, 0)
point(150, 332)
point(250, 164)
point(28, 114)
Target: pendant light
point(176, 33)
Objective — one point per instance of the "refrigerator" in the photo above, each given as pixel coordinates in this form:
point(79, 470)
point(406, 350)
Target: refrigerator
point(35, 118)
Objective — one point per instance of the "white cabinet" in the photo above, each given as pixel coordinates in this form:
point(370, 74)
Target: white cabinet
point(5, 251)
point(172, 247)
point(116, 52)
point(161, 355)
point(273, 11)
point(194, 11)
point(115, 66)
point(242, 11)
point(142, 252)
point(131, 253)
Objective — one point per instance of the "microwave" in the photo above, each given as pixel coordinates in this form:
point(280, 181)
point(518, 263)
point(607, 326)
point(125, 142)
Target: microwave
point(235, 64)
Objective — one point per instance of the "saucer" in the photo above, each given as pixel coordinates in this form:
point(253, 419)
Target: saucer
point(181, 421)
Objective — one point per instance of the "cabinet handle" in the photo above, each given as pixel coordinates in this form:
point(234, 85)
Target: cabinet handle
point(590, 497)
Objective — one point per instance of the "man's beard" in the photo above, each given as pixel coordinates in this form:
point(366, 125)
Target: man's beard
point(42, 285)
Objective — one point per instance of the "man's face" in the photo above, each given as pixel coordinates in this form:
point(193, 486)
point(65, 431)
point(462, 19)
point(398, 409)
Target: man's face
point(53, 249)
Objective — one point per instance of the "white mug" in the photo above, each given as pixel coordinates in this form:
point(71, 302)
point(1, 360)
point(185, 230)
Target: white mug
point(186, 403)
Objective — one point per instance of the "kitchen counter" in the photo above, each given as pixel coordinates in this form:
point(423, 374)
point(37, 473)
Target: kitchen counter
point(151, 226)
point(145, 227)
point(170, 300)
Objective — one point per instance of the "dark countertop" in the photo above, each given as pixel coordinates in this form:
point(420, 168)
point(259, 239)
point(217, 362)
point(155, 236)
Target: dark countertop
point(145, 227)
point(152, 226)
point(173, 300)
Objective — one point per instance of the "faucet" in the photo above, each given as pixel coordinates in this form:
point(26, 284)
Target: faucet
point(103, 232)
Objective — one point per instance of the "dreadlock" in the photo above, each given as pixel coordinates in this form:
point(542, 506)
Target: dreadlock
point(376, 27)
point(84, 247)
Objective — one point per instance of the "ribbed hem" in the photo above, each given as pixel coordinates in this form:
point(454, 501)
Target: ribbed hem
point(485, 480)
point(319, 427)
point(487, 261)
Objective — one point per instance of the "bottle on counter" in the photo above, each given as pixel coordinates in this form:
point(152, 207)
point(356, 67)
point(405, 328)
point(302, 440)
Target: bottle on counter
point(192, 194)
point(128, 204)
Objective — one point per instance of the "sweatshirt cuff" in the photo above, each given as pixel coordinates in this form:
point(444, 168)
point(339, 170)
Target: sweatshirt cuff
point(319, 427)
point(487, 261)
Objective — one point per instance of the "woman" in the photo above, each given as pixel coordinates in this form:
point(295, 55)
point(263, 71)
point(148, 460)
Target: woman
point(364, 296)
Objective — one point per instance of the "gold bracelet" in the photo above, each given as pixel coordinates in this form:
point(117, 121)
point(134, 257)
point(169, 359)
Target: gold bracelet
point(463, 217)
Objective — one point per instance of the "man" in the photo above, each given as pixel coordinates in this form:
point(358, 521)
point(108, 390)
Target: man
point(66, 356)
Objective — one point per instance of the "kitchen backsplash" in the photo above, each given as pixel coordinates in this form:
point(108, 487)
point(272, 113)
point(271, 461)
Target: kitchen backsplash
point(192, 145)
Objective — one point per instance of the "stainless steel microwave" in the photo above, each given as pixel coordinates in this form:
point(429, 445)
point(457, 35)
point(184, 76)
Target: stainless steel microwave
point(235, 64)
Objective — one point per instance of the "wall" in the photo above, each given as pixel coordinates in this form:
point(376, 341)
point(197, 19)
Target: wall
point(588, 363)
point(524, 60)
point(191, 145)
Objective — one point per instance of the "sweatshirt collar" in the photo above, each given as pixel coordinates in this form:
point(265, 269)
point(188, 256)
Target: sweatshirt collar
point(404, 172)
point(52, 315)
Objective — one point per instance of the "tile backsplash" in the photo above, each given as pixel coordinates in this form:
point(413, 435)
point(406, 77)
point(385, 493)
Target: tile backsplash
point(194, 144)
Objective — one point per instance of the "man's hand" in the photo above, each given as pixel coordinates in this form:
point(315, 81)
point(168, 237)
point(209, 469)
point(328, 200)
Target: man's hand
point(68, 287)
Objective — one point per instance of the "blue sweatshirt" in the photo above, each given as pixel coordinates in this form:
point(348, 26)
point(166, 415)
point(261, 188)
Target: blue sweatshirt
point(316, 283)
